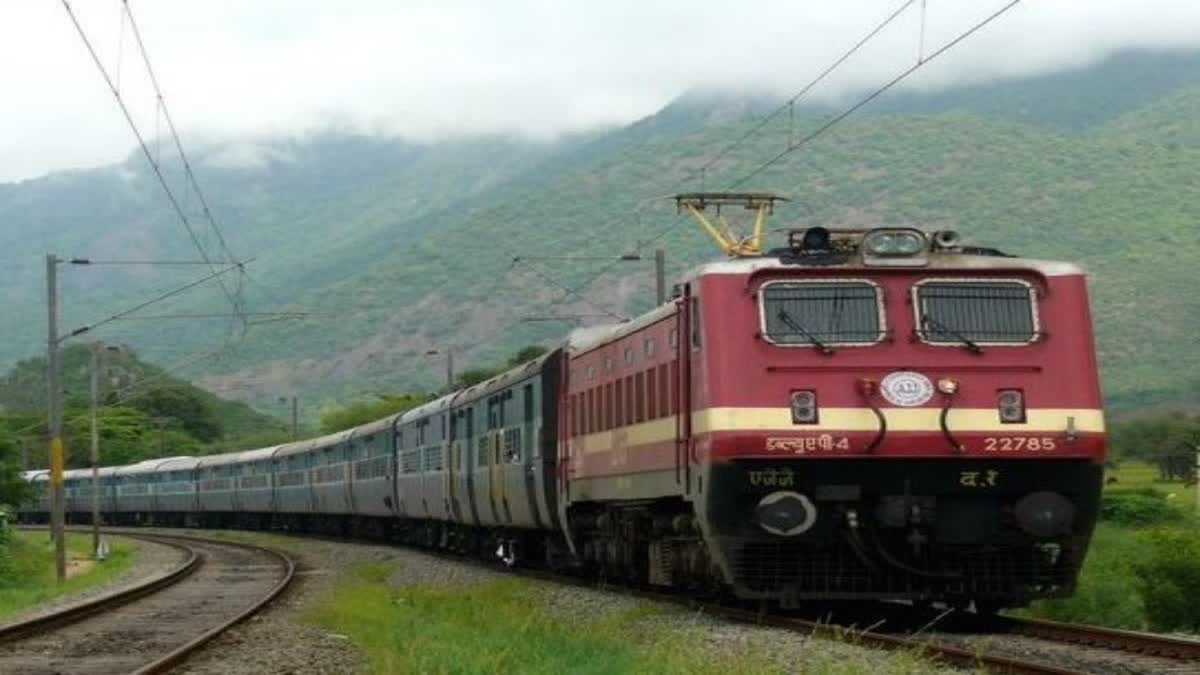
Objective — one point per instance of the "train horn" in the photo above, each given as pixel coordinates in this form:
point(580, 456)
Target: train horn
point(946, 239)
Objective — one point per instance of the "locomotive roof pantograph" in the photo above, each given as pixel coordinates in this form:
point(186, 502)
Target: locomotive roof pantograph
point(733, 245)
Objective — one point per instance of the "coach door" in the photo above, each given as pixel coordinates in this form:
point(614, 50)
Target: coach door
point(681, 371)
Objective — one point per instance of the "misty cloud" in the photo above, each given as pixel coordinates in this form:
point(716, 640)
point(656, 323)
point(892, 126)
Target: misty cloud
point(427, 70)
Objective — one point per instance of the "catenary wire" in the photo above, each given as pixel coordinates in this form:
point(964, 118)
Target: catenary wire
point(790, 103)
point(154, 164)
point(870, 97)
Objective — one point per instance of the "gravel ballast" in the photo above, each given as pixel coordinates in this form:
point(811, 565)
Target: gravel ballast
point(279, 640)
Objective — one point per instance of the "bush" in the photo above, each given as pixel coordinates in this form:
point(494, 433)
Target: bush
point(1139, 508)
point(1169, 579)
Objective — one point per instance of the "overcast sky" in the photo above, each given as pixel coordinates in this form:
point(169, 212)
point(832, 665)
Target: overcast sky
point(428, 69)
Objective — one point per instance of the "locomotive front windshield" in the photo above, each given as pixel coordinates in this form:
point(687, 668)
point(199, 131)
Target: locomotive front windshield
point(819, 313)
point(988, 312)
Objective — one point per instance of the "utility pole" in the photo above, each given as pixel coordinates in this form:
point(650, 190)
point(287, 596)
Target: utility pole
point(98, 348)
point(295, 418)
point(54, 403)
point(660, 276)
point(449, 353)
point(161, 423)
point(95, 451)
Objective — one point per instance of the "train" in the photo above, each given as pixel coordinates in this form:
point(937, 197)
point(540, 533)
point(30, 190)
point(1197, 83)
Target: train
point(860, 414)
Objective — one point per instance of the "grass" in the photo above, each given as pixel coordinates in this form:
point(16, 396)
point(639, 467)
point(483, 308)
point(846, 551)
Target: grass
point(1131, 475)
point(504, 626)
point(1109, 592)
point(29, 579)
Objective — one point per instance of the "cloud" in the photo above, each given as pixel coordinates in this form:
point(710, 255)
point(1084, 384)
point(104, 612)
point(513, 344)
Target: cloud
point(426, 69)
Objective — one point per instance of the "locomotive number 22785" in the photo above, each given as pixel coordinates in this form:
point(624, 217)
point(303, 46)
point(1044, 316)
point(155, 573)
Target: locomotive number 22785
point(1019, 444)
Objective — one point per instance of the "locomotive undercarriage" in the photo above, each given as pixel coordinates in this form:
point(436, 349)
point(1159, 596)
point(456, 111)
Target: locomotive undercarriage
point(996, 533)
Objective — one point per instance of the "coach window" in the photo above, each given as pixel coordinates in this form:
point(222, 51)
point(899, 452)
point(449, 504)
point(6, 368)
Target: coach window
point(608, 406)
point(628, 355)
point(589, 403)
point(651, 396)
point(629, 400)
point(608, 364)
point(695, 327)
point(664, 391)
point(619, 404)
point(640, 396)
point(673, 338)
point(648, 347)
point(674, 388)
point(591, 372)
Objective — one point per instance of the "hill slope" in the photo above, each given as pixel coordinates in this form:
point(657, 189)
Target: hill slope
point(400, 249)
point(1121, 200)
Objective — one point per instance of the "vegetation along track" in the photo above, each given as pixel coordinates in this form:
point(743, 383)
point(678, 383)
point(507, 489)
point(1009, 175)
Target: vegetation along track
point(995, 644)
point(153, 626)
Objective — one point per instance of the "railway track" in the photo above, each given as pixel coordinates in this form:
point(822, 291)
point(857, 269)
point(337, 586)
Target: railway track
point(1079, 647)
point(155, 625)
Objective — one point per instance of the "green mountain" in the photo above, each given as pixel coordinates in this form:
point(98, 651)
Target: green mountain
point(397, 249)
point(144, 411)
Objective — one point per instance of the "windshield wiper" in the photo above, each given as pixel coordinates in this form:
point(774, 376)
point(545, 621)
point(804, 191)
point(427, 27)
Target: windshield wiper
point(970, 344)
point(791, 323)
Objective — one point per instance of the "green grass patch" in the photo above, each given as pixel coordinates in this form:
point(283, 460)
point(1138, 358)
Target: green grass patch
point(1134, 476)
point(1108, 592)
point(28, 578)
point(1141, 557)
point(505, 626)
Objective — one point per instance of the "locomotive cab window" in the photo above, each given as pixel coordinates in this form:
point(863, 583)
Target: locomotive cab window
point(972, 312)
point(821, 313)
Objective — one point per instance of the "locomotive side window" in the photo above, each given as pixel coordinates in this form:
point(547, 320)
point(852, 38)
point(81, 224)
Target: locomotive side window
point(972, 312)
point(821, 313)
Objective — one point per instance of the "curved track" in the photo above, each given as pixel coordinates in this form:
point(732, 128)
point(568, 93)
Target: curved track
point(153, 626)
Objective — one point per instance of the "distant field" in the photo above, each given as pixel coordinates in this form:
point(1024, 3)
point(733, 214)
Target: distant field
point(1132, 475)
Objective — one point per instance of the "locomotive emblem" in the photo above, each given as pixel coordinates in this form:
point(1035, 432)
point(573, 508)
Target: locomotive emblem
point(906, 388)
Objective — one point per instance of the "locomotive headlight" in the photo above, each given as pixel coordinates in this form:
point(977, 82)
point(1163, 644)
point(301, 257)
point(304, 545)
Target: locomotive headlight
point(948, 386)
point(785, 513)
point(1010, 403)
point(894, 243)
point(804, 407)
point(1045, 514)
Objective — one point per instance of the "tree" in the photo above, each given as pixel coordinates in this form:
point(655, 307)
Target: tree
point(183, 404)
point(474, 376)
point(13, 489)
point(525, 354)
point(358, 413)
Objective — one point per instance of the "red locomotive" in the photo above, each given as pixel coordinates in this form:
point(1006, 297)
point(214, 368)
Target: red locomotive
point(863, 414)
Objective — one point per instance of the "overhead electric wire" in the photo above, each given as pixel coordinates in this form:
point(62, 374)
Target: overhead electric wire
point(790, 103)
point(154, 164)
point(187, 165)
point(792, 147)
point(156, 299)
point(90, 261)
point(570, 291)
point(156, 317)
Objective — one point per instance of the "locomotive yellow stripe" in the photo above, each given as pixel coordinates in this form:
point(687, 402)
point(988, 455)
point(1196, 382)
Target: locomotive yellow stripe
point(1038, 420)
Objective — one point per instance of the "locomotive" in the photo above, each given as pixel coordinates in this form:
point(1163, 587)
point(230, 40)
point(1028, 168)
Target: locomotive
point(867, 414)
